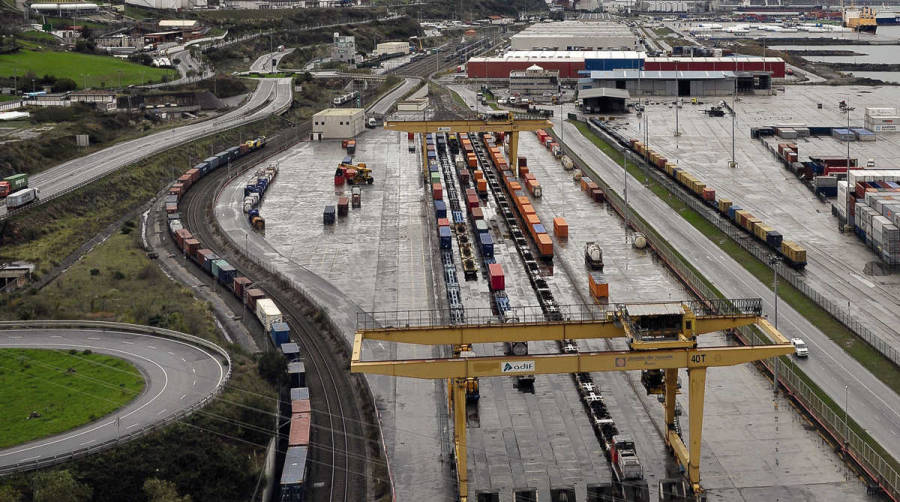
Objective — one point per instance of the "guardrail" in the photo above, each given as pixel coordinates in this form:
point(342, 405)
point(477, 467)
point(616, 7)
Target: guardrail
point(839, 312)
point(129, 328)
point(855, 446)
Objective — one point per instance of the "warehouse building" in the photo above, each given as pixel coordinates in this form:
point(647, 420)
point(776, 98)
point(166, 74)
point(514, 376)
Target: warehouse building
point(333, 123)
point(568, 63)
point(571, 64)
point(387, 48)
point(534, 82)
point(662, 83)
point(574, 36)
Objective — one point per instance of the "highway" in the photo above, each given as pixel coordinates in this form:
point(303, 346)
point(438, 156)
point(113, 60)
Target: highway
point(263, 62)
point(178, 376)
point(271, 96)
point(870, 402)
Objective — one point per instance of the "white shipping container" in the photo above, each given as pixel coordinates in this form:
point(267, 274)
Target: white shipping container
point(881, 128)
point(267, 313)
point(20, 198)
point(874, 111)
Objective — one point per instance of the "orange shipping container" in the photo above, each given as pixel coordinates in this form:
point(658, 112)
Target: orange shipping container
point(544, 245)
point(598, 285)
point(528, 176)
point(514, 185)
point(560, 228)
point(523, 170)
point(299, 435)
point(528, 209)
point(584, 183)
point(472, 161)
point(479, 174)
point(481, 185)
point(532, 219)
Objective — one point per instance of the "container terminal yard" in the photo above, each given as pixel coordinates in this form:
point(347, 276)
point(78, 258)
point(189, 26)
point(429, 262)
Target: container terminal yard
point(476, 302)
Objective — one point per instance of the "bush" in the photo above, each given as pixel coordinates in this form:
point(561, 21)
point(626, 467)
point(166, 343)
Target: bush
point(64, 85)
point(95, 271)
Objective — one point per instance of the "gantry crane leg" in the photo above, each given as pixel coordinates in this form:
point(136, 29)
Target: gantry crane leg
point(458, 408)
point(514, 151)
point(671, 388)
point(697, 379)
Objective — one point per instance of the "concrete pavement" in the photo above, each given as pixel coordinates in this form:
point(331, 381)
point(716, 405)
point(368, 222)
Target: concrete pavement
point(178, 375)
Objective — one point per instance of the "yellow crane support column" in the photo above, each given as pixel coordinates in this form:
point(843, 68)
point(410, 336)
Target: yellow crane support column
point(459, 428)
point(670, 387)
point(425, 174)
point(697, 378)
point(514, 152)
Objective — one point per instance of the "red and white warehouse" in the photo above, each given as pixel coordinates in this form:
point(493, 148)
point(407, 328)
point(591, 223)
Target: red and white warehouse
point(570, 63)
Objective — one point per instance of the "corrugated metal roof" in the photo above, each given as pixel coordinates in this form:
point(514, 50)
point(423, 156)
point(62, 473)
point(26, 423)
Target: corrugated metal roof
point(660, 75)
point(603, 92)
point(722, 59)
point(568, 56)
point(296, 368)
point(648, 309)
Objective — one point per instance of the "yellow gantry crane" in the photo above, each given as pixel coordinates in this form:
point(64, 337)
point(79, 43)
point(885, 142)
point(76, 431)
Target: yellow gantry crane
point(660, 336)
point(490, 123)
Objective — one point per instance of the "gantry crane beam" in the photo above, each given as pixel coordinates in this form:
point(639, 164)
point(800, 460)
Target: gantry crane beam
point(536, 331)
point(494, 123)
point(654, 345)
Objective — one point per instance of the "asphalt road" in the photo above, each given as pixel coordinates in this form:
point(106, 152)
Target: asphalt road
point(870, 402)
point(271, 96)
point(264, 62)
point(178, 375)
point(384, 105)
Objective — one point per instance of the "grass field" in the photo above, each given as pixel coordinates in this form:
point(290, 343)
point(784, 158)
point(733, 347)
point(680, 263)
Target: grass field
point(66, 389)
point(85, 69)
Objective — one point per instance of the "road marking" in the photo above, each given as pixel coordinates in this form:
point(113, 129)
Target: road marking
point(129, 343)
point(55, 336)
point(195, 382)
point(183, 396)
point(151, 347)
point(171, 353)
point(87, 442)
point(162, 411)
point(17, 337)
point(132, 425)
point(194, 370)
point(93, 338)
point(30, 458)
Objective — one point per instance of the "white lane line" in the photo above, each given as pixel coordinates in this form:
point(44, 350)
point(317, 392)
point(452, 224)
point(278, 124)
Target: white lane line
point(183, 396)
point(151, 347)
point(16, 337)
point(55, 336)
point(194, 370)
point(93, 338)
point(171, 353)
point(129, 343)
point(195, 382)
point(132, 425)
point(87, 442)
point(30, 458)
point(162, 411)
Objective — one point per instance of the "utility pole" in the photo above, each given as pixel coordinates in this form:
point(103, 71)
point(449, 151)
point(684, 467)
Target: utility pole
point(773, 261)
point(734, 112)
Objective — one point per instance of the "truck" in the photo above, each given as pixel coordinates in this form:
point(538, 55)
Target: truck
point(372, 123)
point(21, 198)
point(593, 255)
point(13, 183)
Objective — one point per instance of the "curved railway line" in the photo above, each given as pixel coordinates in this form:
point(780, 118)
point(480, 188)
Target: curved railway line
point(340, 429)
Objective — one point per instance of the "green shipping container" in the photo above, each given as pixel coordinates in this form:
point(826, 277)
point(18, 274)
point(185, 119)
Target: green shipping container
point(17, 182)
point(435, 178)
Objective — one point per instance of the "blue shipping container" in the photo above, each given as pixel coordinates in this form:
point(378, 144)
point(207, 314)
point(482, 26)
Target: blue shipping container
point(280, 333)
point(487, 245)
point(203, 167)
point(539, 229)
point(440, 209)
point(328, 215)
point(774, 238)
point(226, 274)
point(432, 167)
point(608, 64)
point(459, 217)
point(213, 162)
point(731, 211)
point(207, 265)
point(444, 234)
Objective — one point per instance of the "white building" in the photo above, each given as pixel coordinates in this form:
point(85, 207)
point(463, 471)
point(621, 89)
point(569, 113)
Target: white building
point(343, 49)
point(392, 48)
point(534, 82)
point(98, 98)
point(333, 123)
point(168, 4)
point(575, 35)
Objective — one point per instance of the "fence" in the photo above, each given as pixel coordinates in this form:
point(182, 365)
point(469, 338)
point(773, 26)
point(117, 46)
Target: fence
point(877, 466)
point(116, 326)
point(839, 312)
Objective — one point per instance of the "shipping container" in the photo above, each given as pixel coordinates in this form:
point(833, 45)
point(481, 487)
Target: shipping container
point(560, 228)
point(437, 191)
point(328, 216)
point(545, 246)
point(440, 209)
point(481, 226)
point(497, 282)
point(267, 313)
point(445, 237)
point(280, 333)
point(252, 296)
point(343, 206)
point(477, 213)
point(296, 374)
point(299, 430)
point(487, 245)
point(225, 273)
point(443, 222)
point(239, 285)
point(598, 285)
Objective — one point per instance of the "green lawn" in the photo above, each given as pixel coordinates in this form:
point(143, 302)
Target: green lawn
point(84, 69)
point(66, 389)
point(8, 97)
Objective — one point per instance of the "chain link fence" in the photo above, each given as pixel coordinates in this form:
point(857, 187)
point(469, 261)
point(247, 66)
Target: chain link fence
point(836, 424)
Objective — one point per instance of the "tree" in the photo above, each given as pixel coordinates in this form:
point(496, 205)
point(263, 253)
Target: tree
point(160, 490)
point(59, 486)
point(64, 85)
point(9, 493)
point(272, 366)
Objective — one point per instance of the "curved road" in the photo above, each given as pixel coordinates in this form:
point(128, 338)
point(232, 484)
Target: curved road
point(271, 96)
point(178, 375)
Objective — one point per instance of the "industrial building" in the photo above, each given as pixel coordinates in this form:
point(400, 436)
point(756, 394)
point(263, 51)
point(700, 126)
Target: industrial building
point(64, 9)
point(534, 82)
point(334, 123)
point(567, 63)
point(344, 48)
point(574, 35)
point(663, 83)
point(386, 48)
point(168, 4)
point(572, 64)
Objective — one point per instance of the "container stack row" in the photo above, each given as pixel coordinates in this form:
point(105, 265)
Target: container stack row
point(873, 204)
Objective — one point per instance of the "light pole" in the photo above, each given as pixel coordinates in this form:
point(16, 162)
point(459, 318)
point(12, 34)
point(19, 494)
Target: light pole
point(773, 261)
point(625, 170)
point(846, 422)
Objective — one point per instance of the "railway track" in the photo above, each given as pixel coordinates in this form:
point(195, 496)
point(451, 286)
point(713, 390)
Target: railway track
point(341, 450)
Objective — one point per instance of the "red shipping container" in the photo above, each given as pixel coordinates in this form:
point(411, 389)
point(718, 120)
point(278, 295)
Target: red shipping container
point(464, 176)
point(194, 174)
point(471, 191)
point(191, 246)
point(438, 191)
point(343, 206)
point(472, 201)
point(171, 208)
point(523, 162)
point(410, 136)
point(300, 406)
point(181, 236)
point(523, 171)
point(531, 220)
point(495, 273)
point(299, 432)
point(597, 195)
point(253, 294)
point(443, 222)
point(709, 194)
point(560, 228)
point(514, 186)
point(240, 283)
point(477, 213)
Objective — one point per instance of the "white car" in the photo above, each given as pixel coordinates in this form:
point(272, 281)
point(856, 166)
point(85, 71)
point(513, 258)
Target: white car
point(800, 349)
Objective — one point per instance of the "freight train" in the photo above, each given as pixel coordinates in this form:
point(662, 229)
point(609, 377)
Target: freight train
point(793, 254)
point(293, 477)
point(346, 98)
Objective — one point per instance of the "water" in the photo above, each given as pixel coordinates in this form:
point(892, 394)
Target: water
point(886, 76)
point(884, 54)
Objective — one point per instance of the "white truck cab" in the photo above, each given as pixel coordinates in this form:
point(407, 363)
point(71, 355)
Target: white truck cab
point(800, 349)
